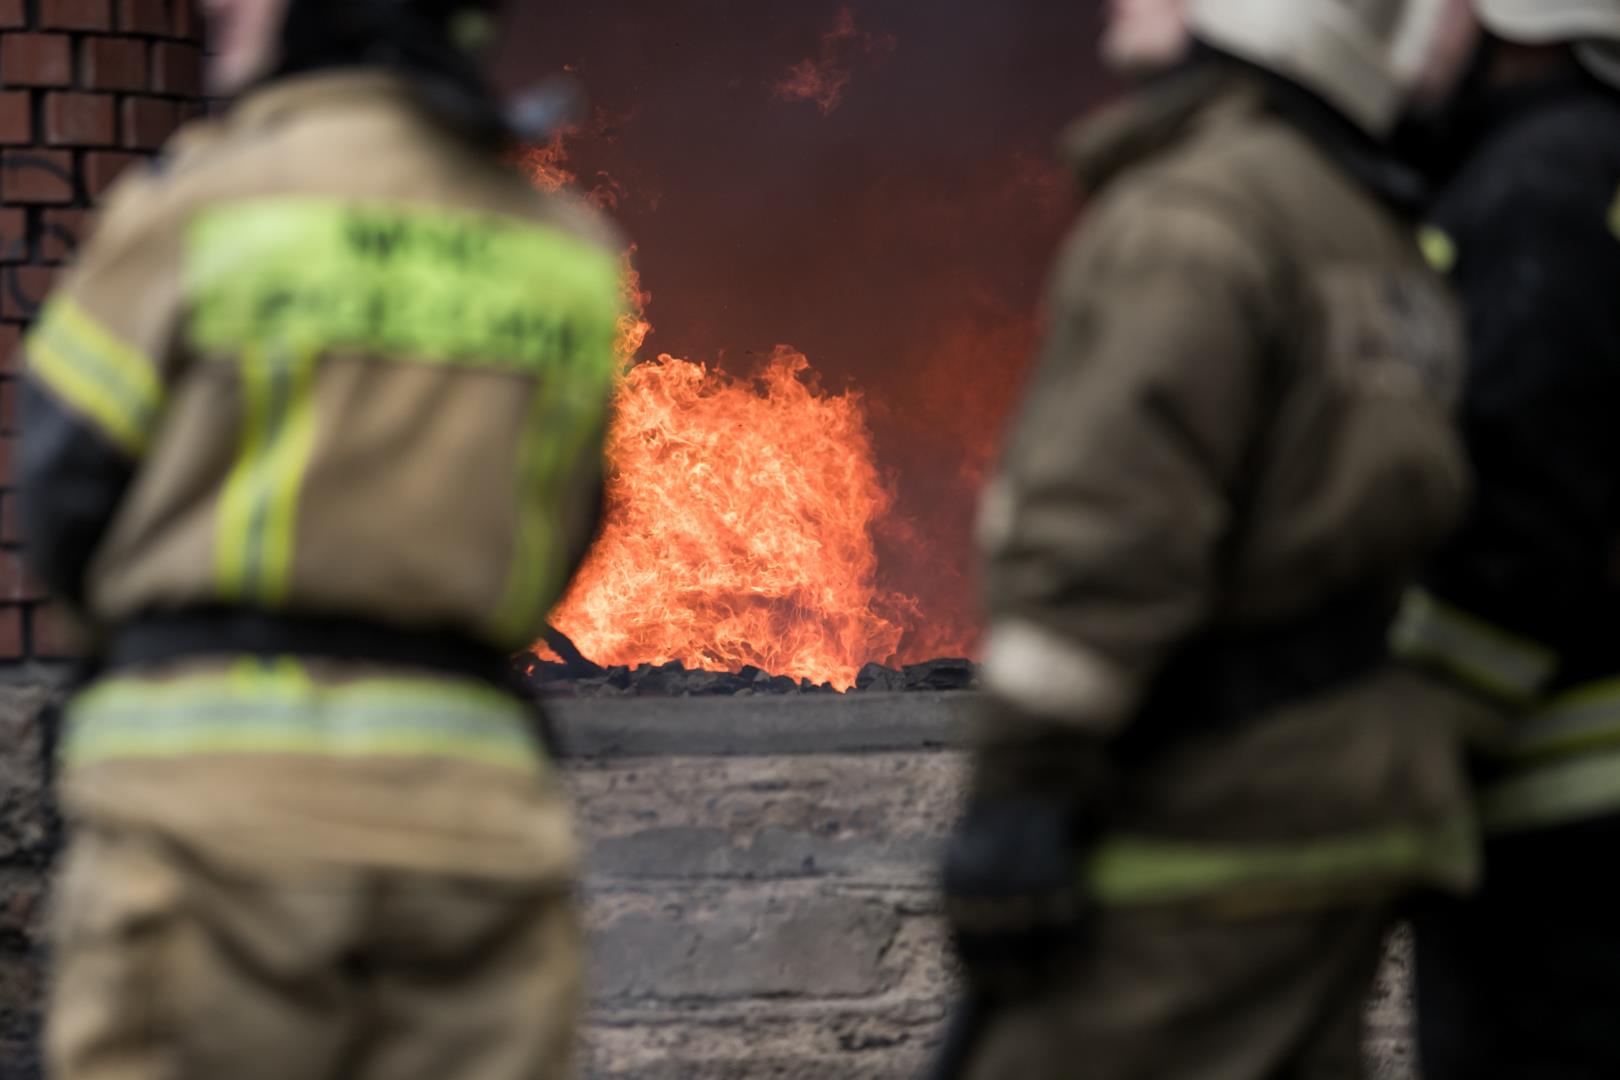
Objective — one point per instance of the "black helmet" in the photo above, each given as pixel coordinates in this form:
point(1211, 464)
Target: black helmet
point(434, 43)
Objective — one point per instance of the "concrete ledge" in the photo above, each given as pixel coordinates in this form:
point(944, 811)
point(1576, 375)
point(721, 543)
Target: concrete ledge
point(759, 726)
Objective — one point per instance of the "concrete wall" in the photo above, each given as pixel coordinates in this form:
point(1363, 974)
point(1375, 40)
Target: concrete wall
point(760, 886)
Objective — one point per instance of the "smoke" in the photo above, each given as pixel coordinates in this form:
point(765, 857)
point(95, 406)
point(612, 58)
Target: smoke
point(898, 232)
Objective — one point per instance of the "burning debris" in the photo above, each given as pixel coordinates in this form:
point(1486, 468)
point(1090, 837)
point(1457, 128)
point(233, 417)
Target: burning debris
point(549, 679)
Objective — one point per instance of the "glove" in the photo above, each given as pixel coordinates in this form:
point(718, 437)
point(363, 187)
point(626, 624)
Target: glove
point(1014, 895)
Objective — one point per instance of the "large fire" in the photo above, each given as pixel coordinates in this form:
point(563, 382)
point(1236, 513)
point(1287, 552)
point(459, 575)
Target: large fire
point(740, 528)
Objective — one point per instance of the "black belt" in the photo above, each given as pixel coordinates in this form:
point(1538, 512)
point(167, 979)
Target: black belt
point(160, 638)
point(1229, 676)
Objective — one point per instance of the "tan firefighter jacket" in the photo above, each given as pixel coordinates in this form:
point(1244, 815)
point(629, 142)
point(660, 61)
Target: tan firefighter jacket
point(337, 364)
point(1240, 418)
point(360, 369)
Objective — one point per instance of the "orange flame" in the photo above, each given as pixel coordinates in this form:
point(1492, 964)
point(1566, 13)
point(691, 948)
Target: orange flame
point(739, 529)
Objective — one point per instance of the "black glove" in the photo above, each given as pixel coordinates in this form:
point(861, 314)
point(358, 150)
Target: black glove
point(1014, 894)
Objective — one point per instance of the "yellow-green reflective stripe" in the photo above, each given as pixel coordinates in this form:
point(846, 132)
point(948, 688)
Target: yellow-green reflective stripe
point(112, 384)
point(407, 282)
point(1614, 216)
point(1439, 249)
point(279, 710)
point(1494, 660)
point(258, 507)
point(1579, 721)
point(1556, 793)
point(554, 439)
point(1129, 871)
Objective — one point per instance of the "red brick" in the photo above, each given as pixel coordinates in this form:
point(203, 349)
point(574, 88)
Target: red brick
point(16, 583)
point(61, 234)
point(143, 16)
point(177, 69)
point(36, 176)
point(10, 341)
point(26, 288)
point(113, 63)
point(10, 392)
point(75, 14)
point(101, 168)
point(80, 120)
point(12, 14)
point(57, 635)
point(11, 633)
point(187, 25)
point(148, 122)
point(13, 235)
point(36, 59)
point(10, 519)
point(16, 118)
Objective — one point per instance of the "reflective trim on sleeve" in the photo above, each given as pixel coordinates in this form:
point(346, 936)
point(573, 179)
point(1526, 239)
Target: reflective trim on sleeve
point(1559, 792)
point(275, 708)
point(1576, 722)
point(110, 383)
point(1135, 871)
point(1431, 633)
point(1051, 676)
point(259, 505)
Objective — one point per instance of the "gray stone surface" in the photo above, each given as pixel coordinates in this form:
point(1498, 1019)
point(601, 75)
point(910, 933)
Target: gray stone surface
point(760, 726)
point(25, 838)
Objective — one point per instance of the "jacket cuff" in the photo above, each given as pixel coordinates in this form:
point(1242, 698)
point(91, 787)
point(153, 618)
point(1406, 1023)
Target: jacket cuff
point(1052, 678)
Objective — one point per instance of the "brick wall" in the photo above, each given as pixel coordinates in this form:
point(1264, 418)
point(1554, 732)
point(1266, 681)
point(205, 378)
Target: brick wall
point(86, 87)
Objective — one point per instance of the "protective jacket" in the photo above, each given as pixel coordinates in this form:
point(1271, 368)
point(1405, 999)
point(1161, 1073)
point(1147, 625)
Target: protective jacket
point(1524, 604)
point(1236, 450)
point(329, 386)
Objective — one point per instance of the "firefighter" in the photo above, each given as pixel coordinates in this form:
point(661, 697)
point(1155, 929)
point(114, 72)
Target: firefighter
point(313, 441)
point(1200, 785)
point(1523, 607)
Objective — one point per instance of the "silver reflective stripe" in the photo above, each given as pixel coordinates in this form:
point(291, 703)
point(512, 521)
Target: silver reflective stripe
point(1051, 676)
point(1435, 634)
point(1558, 793)
point(1581, 720)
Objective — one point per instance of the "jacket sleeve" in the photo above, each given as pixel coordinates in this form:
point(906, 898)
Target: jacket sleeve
point(1116, 490)
point(1536, 270)
point(97, 363)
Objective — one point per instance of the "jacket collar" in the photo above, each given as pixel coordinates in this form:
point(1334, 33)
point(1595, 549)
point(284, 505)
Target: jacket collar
point(1215, 91)
point(275, 101)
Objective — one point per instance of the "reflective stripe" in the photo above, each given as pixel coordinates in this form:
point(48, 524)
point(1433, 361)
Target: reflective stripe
point(408, 282)
point(1582, 720)
point(258, 508)
point(1132, 871)
point(110, 383)
point(1557, 793)
point(1050, 676)
point(1500, 663)
point(277, 709)
point(1439, 249)
point(554, 438)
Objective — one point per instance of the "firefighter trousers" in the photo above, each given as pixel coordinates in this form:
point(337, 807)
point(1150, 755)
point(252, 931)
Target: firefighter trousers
point(1187, 997)
point(172, 964)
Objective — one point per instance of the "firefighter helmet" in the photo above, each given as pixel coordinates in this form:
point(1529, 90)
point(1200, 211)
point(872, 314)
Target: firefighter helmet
point(1362, 56)
point(1592, 25)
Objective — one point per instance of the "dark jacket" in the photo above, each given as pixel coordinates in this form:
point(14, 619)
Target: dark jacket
point(1533, 217)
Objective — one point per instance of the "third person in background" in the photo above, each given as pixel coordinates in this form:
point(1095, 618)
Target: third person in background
point(1523, 981)
point(1199, 788)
